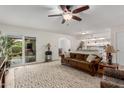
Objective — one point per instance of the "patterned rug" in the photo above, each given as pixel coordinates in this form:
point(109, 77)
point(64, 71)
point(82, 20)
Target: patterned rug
point(50, 75)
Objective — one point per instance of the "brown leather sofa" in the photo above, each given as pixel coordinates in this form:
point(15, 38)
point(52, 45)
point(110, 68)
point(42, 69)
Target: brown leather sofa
point(79, 61)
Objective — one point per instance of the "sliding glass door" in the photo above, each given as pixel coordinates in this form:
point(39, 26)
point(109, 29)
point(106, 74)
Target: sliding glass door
point(30, 49)
point(14, 46)
point(21, 49)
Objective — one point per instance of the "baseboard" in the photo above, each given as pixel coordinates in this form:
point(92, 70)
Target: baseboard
point(32, 63)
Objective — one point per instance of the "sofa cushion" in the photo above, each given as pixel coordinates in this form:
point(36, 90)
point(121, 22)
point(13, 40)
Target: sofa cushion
point(91, 58)
point(72, 55)
point(85, 56)
point(79, 57)
point(84, 62)
point(73, 60)
point(67, 54)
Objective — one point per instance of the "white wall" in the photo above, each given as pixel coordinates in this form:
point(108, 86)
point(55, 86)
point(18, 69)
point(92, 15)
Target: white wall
point(42, 38)
point(117, 41)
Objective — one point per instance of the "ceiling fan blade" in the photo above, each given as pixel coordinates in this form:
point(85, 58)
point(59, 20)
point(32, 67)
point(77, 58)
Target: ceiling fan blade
point(69, 7)
point(55, 15)
point(80, 9)
point(64, 8)
point(76, 18)
point(63, 21)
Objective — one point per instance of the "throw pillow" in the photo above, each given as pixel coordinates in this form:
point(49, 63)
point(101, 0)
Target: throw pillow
point(91, 57)
point(67, 54)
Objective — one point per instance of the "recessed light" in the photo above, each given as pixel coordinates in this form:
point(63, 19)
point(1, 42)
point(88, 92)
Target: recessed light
point(83, 33)
point(101, 38)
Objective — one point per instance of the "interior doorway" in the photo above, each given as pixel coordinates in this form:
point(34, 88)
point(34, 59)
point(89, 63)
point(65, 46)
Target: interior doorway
point(64, 45)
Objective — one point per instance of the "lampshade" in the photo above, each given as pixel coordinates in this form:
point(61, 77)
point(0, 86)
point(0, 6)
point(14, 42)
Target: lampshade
point(110, 49)
point(48, 45)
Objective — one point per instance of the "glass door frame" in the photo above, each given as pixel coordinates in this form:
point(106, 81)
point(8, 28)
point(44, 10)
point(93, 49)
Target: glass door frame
point(30, 38)
point(23, 47)
point(18, 37)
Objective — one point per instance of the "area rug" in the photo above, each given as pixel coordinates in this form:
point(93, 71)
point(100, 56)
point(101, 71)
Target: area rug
point(51, 75)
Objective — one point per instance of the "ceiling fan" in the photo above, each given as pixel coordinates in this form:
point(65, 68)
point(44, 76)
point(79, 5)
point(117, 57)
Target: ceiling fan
point(69, 14)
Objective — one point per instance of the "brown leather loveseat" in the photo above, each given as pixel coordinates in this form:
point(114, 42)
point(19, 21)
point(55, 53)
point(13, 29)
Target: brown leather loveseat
point(79, 61)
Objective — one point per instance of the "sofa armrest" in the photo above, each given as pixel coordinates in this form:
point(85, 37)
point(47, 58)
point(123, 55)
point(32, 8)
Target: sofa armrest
point(62, 56)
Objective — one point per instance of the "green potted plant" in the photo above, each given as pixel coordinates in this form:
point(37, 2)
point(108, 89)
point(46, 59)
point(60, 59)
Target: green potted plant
point(6, 48)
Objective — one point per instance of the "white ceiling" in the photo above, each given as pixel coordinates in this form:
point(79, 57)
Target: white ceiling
point(35, 16)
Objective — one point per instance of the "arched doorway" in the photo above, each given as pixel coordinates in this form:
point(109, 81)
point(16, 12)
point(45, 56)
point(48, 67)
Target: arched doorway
point(64, 45)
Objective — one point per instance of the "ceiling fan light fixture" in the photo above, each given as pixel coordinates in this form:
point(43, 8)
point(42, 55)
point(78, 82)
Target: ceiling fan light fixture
point(67, 16)
point(68, 13)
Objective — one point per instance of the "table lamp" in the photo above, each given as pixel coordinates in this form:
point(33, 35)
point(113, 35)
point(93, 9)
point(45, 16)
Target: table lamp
point(109, 50)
